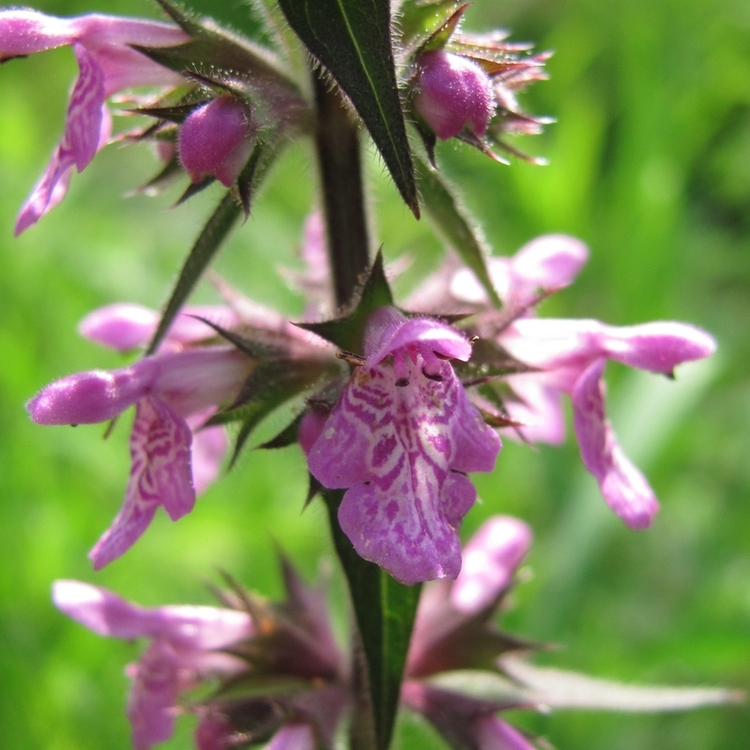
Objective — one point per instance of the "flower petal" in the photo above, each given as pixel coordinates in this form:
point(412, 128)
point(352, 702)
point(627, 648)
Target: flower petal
point(551, 261)
point(623, 486)
point(388, 330)
point(84, 135)
point(395, 446)
point(90, 397)
point(494, 734)
point(490, 561)
point(121, 326)
point(160, 475)
point(153, 697)
point(100, 610)
point(296, 736)
point(25, 32)
point(658, 346)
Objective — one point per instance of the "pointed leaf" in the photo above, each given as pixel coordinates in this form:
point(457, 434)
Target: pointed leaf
point(384, 610)
point(235, 14)
point(352, 38)
point(451, 221)
point(206, 246)
point(211, 238)
point(483, 686)
point(227, 56)
point(288, 436)
point(558, 688)
point(348, 333)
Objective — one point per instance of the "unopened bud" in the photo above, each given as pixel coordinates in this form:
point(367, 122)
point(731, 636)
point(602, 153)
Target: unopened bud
point(452, 93)
point(216, 139)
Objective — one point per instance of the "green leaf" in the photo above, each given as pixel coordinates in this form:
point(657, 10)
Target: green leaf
point(352, 38)
point(483, 686)
point(206, 246)
point(558, 688)
point(451, 220)
point(213, 235)
point(348, 332)
point(270, 386)
point(236, 14)
point(384, 610)
point(229, 60)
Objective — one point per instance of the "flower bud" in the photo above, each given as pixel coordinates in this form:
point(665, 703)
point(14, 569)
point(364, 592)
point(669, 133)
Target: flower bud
point(216, 139)
point(452, 93)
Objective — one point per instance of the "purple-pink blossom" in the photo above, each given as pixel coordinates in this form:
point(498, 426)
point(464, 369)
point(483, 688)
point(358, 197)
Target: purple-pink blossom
point(278, 645)
point(453, 632)
point(400, 440)
point(188, 644)
point(568, 357)
point(452, 93)
point(107, 62)
point(216, 140)
point(173, 393)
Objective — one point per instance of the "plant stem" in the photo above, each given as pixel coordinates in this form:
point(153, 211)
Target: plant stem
point(338, 150)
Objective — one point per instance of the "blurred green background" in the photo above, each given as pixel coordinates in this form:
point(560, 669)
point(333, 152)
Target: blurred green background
point(649, 164)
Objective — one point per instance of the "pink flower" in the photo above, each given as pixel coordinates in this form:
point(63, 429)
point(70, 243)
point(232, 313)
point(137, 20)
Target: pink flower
point(283, 645)
point(216, 140)
point(452, 613)
point(453, 633)
point(107, 63)
point(188, 643)
point(569, 357)
point(401, 439)
point(173, 392)
point(453, 93)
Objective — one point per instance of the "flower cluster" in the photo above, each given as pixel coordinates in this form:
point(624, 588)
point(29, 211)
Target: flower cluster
point(205, 124)
point(176, 450)
point(403, 432)
point(465, 86)
point(555, 357)
point(280, 671)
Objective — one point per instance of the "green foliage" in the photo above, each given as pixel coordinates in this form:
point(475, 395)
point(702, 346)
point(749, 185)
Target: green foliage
point(348, 333)
point(384, 610)
point(457, 229)
point(352, 38)
point(205, 248)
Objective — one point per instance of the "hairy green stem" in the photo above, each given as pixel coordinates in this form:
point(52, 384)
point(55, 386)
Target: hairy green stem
point(339, 161)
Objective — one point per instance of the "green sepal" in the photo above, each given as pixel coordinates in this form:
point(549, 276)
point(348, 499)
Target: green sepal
point(352, 39)
point(235, 14)
point(440, 37)
point(451, 221)
point(489, 360)
point(269, 386)
point(224, 59)
point(194, 188)
point(384, 610)
point(418, 20)
point(348, 332)
point(205, 248)
point(256, 349)
point(176, 113)
point(285, 438)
